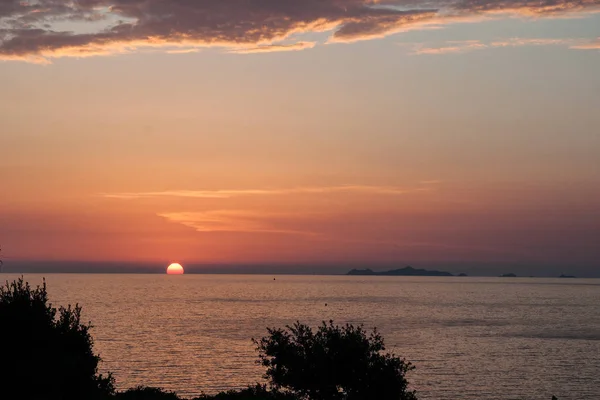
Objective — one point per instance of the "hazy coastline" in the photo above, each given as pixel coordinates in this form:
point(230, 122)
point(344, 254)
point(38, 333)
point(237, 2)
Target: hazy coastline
point(471, 269)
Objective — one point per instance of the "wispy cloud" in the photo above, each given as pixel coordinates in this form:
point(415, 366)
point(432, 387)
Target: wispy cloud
point(240, 221)
point(282, 220)
point(450, 48)
point(222, 194)
point(272, 48)
point(454, 47)
point(518, 42)
point(29, 30)
point(592, 45)
point(183, 51)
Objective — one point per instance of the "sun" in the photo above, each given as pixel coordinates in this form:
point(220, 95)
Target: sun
point(175, 269)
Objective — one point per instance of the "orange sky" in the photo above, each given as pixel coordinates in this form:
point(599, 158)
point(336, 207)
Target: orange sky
point(366, 135)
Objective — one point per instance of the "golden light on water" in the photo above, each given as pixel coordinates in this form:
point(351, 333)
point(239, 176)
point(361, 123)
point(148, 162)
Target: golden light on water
point(175, 269)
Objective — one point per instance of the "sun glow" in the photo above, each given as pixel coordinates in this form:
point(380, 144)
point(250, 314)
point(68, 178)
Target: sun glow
point(175, 269)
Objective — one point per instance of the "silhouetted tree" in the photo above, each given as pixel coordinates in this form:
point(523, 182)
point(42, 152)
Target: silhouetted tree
point(333, 363)
point(46, 353)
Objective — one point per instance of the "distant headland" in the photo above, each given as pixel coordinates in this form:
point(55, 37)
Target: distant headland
point(406, 271)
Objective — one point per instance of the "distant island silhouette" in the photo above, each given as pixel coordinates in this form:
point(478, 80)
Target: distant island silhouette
point(509, 275)
point(406, 271)
point(566, 276)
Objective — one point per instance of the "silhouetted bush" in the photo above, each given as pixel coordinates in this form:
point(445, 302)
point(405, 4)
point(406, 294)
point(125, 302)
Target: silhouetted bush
point(46, 355)
point(333, 363)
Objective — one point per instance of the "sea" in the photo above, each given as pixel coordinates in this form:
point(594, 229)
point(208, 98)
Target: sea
point(469, 338)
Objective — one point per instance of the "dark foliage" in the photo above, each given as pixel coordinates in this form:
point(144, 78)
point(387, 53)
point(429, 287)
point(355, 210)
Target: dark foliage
point(146, 393)
point(258, 392)
point(333, 363)
point(46, 353)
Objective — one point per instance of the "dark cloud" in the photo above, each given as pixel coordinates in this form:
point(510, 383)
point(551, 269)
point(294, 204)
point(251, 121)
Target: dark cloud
point(26, 26)
point(23, 14)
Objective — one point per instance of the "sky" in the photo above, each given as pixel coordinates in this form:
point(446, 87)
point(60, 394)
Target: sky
point(301, 132)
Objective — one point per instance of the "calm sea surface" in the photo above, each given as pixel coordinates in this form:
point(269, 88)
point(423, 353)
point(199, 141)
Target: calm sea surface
point(470, 338)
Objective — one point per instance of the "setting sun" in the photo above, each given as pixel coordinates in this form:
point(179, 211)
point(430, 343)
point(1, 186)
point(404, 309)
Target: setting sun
point(175, 269)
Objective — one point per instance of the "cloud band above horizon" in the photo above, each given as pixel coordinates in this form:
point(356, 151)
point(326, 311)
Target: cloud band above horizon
point(29, 30)
point(223, 194)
